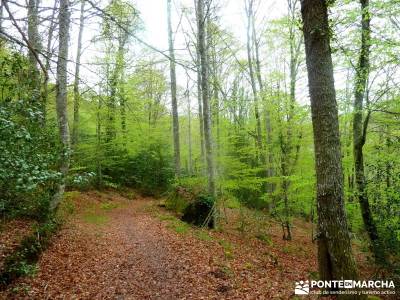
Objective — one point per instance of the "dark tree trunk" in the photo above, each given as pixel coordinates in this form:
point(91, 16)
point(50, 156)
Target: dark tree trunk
point(335, 257)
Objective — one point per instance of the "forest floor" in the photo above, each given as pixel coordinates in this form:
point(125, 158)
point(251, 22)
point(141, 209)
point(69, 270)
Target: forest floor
point(113, 247)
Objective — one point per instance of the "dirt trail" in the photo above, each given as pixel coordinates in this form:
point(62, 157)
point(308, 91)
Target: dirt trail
point(115, 248)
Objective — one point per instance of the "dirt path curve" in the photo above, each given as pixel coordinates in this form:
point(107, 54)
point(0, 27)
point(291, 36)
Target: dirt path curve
point(119, 253)
point(115, 248)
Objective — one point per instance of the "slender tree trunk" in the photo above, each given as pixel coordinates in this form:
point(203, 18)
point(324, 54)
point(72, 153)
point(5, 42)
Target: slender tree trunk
point(335, 257)
point(75, 127)
point(120, 75)
point(359, 132)
point(287, 148)
point(200, 105)
point(122, 104)
point(249, 11)
point(190, 158)
point(99, 151)
point(34, 39)
point(61, 97)
point(45, 93)
point(270, 169)
point(1, 16)
point(175, 117)
point(205, 96)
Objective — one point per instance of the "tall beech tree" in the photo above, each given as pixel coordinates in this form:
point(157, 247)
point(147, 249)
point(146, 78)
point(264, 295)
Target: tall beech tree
point(34, 41)
point(75, 126)
point(335, 257)
point(250, 16)
point(175, 118)
point(202, 49)
point(62, 96)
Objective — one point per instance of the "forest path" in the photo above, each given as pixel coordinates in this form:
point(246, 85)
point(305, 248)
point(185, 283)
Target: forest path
point(115, 248)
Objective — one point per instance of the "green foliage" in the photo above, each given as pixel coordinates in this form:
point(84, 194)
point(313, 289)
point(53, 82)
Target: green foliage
point(82, 181)
point(200, 211)
point(29, 151)
point(151, 169)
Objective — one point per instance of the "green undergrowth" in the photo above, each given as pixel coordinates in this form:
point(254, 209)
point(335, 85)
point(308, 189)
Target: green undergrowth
point(181, 227)
point(95, 219)
point(107, 206)
point(96, 213)
point(22, 262)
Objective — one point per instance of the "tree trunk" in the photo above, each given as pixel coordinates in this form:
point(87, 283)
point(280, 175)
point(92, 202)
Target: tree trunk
point(249, 11)
point(99, 147)
point(359, 132)
point(61, 97)
point(190, 159)
point(1, 16)
point(45, 92)
point(270, 169)
point(75, 127)
point(335, 257)
point(205, 96)
point(175, 118)
point(33, 36)
point(200, 100)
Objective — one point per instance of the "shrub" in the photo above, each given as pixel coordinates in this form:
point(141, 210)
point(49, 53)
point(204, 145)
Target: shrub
point(199, 212)
point(28, 159)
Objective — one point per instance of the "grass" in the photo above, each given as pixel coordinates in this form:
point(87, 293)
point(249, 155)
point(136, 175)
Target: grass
point(176, 203)
point(228, 248)
point(71, 195)
point(179, 227)
point(21, 288)
point(107, 206)
point(265, 239)
point(232, 203)
point(95, 219)
point(203, 235)
point(174, 223)
point(164, 217)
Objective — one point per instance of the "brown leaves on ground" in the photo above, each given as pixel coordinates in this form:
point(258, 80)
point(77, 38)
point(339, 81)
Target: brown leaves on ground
point(115, 248)
point(11, 234)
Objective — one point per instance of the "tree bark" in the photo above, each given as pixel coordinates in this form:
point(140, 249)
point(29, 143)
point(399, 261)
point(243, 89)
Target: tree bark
point(61, 97)
point(190, 158)
point(361, 78)
point(175, 117)
point(249, 12)
point(200, 100)
point(270, 168)
point(205, 97)
point(33, 37)
point(45, 93)
point(75, 127)
point(335, 257)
